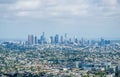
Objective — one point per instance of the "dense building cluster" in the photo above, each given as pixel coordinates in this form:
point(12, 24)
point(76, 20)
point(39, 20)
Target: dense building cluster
point(57, 39)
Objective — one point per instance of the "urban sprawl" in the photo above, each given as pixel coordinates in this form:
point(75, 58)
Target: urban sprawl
point(59, 56)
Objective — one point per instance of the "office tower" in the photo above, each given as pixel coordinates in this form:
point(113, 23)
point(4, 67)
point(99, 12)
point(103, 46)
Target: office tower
point(102, 42)
point(93, 42)
point(75, 40)
point(39, 41)
point(42, 38)
point(43, 35)
point(61, 40)
point(65, 41)
point(70, 41)
point(51, 39)
point(88, 42)
point(65, 35)
point(82, 42)
point(107, 42)
point(36, 41)
point(56, 38)
point(30, 39)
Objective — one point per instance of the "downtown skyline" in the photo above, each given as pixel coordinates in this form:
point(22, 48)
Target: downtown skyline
point(82, 18)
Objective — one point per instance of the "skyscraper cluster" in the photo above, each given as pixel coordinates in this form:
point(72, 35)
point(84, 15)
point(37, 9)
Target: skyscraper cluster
point(57, 39)
point(32, 40)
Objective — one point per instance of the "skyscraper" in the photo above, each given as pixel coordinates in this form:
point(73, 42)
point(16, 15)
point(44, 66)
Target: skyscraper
point(36, 41)
point(42, 38)
point(51, 39)
point(75, 40)
point(30, 39)
point(102, 42)
point(61, 40)
point(56, 38)
point(66, 39)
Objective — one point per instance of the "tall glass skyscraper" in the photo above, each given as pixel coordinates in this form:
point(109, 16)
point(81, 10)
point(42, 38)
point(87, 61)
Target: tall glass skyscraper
point(30, 39)
point(56, 38)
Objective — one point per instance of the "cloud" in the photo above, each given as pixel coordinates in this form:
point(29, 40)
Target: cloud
point(42, 8)
point(51, 7)
point(110, 2)
point(72, 8)
point(22, 13)
point(109, 8)
point(25, 5)
point(6, 1)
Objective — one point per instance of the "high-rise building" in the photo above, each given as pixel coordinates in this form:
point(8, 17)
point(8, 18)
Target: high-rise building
point(61, 40)
point(36, 41)
point(51, 39)
point(66, 39)
point(42, 38)
point(102, 42)
point(56, 38)
point(30, 39)
point(82, 42)
point(75, 40)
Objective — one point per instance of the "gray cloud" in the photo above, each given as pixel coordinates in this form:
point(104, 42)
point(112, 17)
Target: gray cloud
point(40, 8)
point(7, 1)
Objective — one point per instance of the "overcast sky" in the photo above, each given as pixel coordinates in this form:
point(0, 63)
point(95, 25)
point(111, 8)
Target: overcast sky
point(83, 18)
